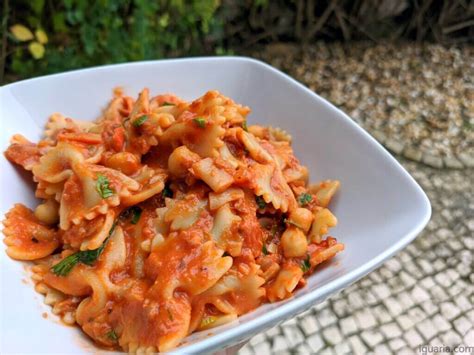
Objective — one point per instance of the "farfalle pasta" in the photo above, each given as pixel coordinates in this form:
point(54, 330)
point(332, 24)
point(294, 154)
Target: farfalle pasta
point(164, 217)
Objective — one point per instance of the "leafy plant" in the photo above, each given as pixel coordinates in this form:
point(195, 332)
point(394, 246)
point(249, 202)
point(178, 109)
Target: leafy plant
point(83, 33)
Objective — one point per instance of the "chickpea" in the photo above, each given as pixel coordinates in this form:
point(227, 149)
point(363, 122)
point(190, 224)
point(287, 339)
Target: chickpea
point(48, 212)
point(301, 217)
point(125, 162)
point(294, 242)
point(181, 160)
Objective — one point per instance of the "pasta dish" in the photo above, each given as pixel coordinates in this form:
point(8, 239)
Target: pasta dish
point(165, 217)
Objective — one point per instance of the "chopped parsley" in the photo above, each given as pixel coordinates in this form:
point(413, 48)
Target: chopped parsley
point(112, 335)
point(244, 126)
point(306, 264)
point(200, 122)
point(136, 213)
point(260, 202)
point(168, 104)
point(264, 250)
point(87, 257)
point(102, 186)
point(304, 199)
point(167, 192)
point(139, 121)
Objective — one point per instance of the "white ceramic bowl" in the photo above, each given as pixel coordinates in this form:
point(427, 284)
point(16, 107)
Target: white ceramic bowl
point(380, 208)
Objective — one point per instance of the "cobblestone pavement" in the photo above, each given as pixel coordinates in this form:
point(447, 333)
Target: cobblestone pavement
point(418, 100)
point(422, 296)
point(425, 294)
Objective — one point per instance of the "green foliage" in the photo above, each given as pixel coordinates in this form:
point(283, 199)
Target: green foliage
point(84, 33)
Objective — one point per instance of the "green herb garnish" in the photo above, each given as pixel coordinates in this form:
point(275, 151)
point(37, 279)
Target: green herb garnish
point(167, 192)
point(304, 199)
point(306, 264)
point(244, 126)
point(170, 315)
point(102, 186)
point(200, 122)
point(168, 104)
point(260, 202)
point(87, 257)
point(139, 121)
point(136, 213)
point(112, 335)
point(264, 250)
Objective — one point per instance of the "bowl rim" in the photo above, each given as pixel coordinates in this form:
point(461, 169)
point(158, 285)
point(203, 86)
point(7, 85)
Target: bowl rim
point(295, 305)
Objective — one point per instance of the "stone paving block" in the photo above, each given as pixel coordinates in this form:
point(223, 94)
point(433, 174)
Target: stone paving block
point(257, 339)
point(385, 272)
point(391, 330)
point(407, 279)
point(262, 348)
point(328, 351)
point(451, 338)
point(469, 242)
point(357, 346)
point(449, 310)
point(405, 300)
point(303, 349)
point(397, 344)
point(396, 285)
point(381, 349)
point(332, 335)
point(456, 287)
point(462, 325)
point(393, 305)
point(326, 317)
point(371, 337)
point(419, 294)
point(441, 323)
point(381, 314)
point(279, 344)
point(315, 342)
point(427, 329)
point(348, 325)
point(341, 307)
point(413, 338)
point(469, 338)
point(293, 335)
point(369, 298)
point(309, 325)
point(246, 350)
point(272, 332)
point(436, 342)
point(463, 303)
point(394, 265)
point(439, 294)
point(429, 307)
point(426, 266)
point(405, 322)
point(427, 283)
point(406, 351)
point(365, 319)
point(342, 348)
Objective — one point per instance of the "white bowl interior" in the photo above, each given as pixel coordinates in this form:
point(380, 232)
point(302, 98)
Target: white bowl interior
point(379, 207)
